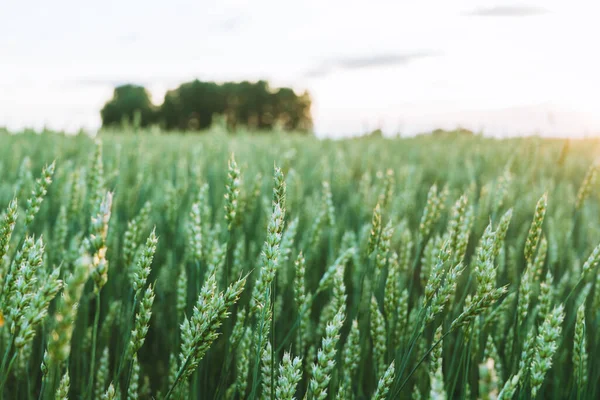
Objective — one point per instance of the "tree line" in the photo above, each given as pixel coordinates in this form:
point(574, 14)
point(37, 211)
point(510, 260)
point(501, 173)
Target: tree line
point(194, 105)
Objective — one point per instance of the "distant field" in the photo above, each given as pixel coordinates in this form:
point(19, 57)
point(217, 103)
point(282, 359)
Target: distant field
point(279, 267)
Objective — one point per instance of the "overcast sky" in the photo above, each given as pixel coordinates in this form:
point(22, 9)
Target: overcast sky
point(506, 68)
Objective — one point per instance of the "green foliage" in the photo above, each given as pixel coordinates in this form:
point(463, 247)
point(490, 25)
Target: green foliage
point(194, 105)
point(159, 266)
point(130, 104)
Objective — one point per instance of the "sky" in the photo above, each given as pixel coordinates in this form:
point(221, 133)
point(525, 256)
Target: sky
point(503, 68)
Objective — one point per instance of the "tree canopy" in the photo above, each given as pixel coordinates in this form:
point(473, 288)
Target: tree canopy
point(129, 103)
point(192, 106)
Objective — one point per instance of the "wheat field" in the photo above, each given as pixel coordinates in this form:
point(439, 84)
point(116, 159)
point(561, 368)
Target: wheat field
point(146, 266)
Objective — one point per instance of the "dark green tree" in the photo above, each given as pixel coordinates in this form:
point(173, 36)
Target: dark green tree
point(129, 103)
point(293, 111)
point(252, 104)
point(192, 105)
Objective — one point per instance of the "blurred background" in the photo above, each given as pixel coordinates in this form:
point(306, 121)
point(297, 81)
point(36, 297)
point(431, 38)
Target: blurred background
point(338, 68)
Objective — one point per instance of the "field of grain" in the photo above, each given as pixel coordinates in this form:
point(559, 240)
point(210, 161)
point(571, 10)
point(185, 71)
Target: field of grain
point(285, 267)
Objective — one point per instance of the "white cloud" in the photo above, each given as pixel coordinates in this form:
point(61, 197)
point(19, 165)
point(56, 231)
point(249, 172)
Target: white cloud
point(508, 11)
